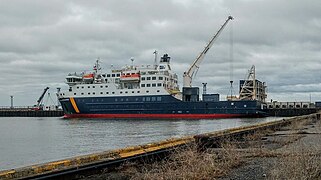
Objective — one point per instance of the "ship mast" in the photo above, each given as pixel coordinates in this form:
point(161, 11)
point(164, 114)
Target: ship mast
point(155, 60)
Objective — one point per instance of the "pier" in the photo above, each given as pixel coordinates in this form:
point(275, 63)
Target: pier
point(288, 109)
point(289, 112)
point(28, 112)
point(108, 162)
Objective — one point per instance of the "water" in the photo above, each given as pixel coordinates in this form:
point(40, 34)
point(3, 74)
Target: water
point(32, 140)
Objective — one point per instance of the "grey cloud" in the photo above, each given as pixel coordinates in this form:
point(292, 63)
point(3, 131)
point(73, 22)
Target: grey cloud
point(42, 41)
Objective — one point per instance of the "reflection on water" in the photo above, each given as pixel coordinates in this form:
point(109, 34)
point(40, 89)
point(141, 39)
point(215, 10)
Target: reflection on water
point(25, 141)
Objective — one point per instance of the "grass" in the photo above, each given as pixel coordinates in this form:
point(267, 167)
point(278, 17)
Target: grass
point(297, 166)
point(299, 163)
point(189, 163)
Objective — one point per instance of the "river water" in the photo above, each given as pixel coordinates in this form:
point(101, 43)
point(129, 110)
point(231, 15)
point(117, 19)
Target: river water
point(31, 140)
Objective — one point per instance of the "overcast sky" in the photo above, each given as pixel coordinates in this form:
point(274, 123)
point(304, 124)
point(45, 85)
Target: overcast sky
point(42, 41)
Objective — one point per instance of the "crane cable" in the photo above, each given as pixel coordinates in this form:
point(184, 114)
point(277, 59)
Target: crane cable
point(231, 59)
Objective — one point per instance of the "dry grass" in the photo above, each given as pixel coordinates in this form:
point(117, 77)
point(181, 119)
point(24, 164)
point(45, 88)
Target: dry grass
point(299, 124)
point(297, 166)
point(296, 162)
point(190, 164)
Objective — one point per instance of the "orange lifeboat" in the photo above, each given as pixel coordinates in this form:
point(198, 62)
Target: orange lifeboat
point(130, 76)
point(88, 76)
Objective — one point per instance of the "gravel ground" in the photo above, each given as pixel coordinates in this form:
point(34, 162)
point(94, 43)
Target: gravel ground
point(305, 138)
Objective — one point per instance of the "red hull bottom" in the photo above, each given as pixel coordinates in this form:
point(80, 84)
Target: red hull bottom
point(161, 116)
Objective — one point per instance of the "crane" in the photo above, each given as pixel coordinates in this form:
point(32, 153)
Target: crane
point(41, 98)
point(188, 75)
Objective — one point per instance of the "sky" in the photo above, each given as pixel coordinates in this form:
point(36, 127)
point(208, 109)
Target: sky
point(42, 41)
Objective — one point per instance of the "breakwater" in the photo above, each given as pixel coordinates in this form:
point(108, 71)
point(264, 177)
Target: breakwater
point(30, 113)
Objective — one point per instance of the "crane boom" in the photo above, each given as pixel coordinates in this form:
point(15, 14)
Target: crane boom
point(41, 97)
point(188, 75)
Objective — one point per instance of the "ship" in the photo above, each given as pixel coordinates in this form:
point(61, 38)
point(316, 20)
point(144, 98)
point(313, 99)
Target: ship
point(149, 92)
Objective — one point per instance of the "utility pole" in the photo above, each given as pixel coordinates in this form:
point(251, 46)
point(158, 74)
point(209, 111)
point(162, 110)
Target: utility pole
point(11, 97)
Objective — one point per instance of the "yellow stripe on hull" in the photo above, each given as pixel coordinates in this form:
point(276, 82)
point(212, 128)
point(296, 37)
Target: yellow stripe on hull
point(74, 105)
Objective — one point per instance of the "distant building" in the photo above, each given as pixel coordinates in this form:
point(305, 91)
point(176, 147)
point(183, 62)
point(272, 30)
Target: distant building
point(252, 90)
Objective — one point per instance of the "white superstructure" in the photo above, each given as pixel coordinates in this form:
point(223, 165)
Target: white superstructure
point(127, 81)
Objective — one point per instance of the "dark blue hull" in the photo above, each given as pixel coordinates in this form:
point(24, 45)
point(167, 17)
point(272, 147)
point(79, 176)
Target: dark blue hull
point(164, 106)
